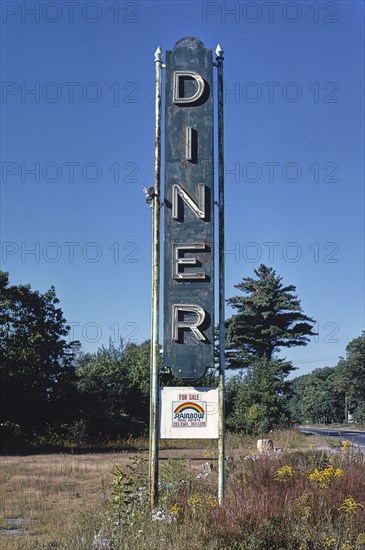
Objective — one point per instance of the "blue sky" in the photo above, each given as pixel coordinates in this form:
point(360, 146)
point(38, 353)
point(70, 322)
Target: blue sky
point(77, 151)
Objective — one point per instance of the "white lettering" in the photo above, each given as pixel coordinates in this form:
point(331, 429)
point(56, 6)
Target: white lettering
point(179, 97)
point(198, 209)
point(177, 261)
point(192, 325)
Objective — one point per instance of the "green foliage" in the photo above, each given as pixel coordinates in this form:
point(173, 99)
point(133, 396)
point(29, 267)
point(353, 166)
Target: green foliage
point(350, 377)
point(101, 383)
point(78, 432)
point(11, 435)
point(268, 318)
point(256, 421)
point(114, 388)
point(257, 397)
point(177, 473)
point(320, 395)
point(316, 397)
point(36, 361)
point(128, 495)
point(120, 496)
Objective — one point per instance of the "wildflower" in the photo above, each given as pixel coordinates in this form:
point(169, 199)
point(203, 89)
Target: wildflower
point(159, 514)
point(350, 506)
point(176, 510)
point(198, 502)
point(303, 506)
point(241, 479)
point(346, 444)
point(346, 546)
point(195, 501)
point(323, 478)
point(211, 502)
point(360, 539)
point(329, 542)
point(286, 473)
point(306, 512)
point(209, 454)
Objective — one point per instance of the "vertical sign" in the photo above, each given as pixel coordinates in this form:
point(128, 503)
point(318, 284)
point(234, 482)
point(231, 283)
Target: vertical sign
point(189, 203)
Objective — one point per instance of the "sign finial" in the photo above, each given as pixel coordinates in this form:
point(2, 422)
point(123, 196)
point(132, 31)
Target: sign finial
point(158, 54)
point(219, 52)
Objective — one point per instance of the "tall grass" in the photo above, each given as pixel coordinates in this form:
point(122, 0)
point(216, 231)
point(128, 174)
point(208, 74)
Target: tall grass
point(298, 499)
point(302, 498)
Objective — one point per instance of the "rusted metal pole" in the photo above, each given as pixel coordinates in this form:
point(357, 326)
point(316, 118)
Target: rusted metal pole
point(221, 381)
point(154, 370)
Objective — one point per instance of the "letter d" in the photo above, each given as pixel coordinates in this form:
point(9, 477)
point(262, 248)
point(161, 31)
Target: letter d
point(178, 92)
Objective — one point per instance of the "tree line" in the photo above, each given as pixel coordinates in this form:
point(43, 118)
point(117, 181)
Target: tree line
point(332, 394)
point(52, 391)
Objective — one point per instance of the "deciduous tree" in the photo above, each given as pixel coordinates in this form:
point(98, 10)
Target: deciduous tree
point(257, 398)
point(36, 361)
point(350, 376)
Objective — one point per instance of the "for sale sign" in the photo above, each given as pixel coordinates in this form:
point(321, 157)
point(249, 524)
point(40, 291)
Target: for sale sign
point(189, 412)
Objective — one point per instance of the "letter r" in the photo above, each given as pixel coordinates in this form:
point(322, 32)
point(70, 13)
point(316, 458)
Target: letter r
point(192, 325)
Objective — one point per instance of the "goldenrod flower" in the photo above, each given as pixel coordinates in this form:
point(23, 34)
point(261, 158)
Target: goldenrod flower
point(323, 477)
point(350, 506)
point(176, 510)
point(211, 502)
point(303, 506)
point(195, 501)
point(285, 473)
point(209, 454)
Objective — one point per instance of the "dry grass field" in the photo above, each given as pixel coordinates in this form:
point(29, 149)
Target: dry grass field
point(51, 496)
point(47, 501)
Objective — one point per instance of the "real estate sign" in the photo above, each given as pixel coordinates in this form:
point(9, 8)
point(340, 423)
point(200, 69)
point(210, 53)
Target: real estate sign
point(188, 413)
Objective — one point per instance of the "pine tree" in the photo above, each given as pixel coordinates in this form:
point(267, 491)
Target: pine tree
point(268, 318)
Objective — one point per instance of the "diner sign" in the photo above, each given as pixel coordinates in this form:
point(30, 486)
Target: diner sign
point(188, 213)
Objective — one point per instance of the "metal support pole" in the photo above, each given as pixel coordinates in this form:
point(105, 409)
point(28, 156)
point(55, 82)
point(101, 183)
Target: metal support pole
point(221, 382)
point(154, 377)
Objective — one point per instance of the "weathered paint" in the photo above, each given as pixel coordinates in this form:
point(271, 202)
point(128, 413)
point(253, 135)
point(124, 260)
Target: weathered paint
point(221, 382)
point(154, 377)
point(189, 144)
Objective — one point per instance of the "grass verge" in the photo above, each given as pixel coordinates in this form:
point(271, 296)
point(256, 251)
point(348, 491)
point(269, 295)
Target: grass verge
point(304, 498)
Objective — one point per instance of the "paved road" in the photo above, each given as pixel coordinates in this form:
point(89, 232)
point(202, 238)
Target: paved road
point(357, 438)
